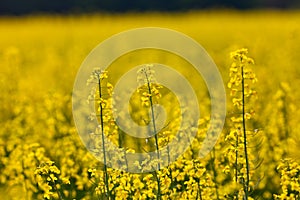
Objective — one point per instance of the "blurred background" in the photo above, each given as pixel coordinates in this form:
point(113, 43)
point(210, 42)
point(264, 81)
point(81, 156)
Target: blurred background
point(44, 42)
point(19, 7)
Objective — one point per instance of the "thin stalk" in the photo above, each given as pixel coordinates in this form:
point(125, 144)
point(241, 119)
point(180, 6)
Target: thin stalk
point(57, 191)
point(236, 161)
point(121, 145)
point(199, 192)
point(213, 156)
point(153, 120)
point(103, 142)
point(158, 196)
point(155, 136)
point(246, 186)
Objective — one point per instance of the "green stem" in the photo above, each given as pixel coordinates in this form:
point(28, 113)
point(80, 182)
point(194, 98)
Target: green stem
point(213, 156)
point(122, 145)
point(199, 192)
point(155, 135)
point(236, 162)
point(103, 141)
point(153, 120)
point(57, 191)
point(246, 185)
point(158, 196)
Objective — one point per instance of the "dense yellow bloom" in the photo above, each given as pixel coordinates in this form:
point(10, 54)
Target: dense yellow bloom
point(289, 179)
point(42, 157)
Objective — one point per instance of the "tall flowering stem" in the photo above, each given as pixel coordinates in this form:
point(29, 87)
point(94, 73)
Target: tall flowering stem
point(241, 77)
point(150, 94)
point(99, 77)
point(246, 189)
point(102, 128)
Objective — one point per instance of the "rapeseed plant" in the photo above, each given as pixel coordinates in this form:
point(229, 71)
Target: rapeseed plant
point(238, 152)
point(289, 179)
point(101, 98)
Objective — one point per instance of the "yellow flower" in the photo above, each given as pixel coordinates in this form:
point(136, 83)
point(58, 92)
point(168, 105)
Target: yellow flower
point(65, 180)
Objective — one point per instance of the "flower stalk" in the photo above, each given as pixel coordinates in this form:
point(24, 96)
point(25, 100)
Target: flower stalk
point(241, 77)
point(246, 187)
point(151, 91)
point(102, 132)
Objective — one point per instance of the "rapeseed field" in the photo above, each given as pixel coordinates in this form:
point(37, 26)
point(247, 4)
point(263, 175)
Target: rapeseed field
point(255, 157)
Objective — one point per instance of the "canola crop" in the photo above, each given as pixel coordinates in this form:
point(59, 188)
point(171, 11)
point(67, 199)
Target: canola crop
point(256, 155)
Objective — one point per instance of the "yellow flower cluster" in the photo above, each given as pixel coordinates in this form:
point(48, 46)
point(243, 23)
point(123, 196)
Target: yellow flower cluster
point(238, 153)
point(289, 179)
point(184, 179)
point(49, 180)
point(41, 156)
point(149, 89)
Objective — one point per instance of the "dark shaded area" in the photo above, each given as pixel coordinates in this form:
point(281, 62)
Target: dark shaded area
point(19, 7)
